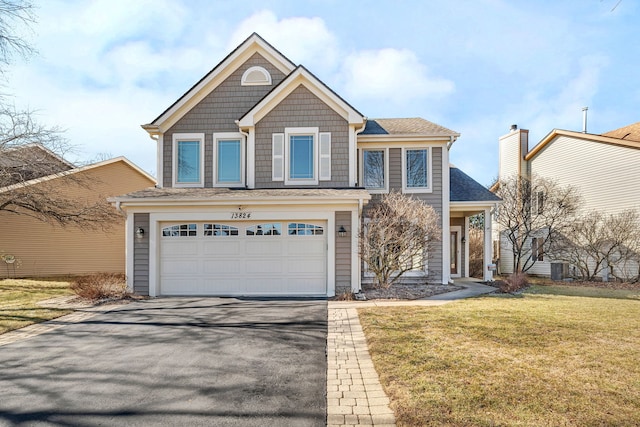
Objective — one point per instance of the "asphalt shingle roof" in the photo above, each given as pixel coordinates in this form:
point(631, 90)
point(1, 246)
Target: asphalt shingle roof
point(170, 193)
point(463, 188)
point(409, 126)
point(629, 133)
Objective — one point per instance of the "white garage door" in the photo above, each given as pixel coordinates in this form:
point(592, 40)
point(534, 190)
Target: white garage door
point(243, 258)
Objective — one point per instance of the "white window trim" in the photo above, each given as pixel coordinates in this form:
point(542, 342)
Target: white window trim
point(226, 136)
point(262, 70)
point(177, 137)
point(288, 132)
point(386, 170)
point(429, 187)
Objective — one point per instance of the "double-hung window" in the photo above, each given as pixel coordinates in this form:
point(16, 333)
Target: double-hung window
point(416, 166)
point(228, 159)
point(188, 159)
point(301, 156)
point(374, 170)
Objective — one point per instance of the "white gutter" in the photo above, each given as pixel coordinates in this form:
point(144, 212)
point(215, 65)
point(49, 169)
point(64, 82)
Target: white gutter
point(452, 139)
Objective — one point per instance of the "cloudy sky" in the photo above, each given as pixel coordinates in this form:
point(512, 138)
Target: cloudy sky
point(104, 67)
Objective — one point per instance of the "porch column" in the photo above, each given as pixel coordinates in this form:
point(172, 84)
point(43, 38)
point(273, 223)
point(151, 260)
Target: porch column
point(487, 256)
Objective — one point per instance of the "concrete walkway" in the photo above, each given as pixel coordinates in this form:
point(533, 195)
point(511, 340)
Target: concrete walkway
point(354, 394)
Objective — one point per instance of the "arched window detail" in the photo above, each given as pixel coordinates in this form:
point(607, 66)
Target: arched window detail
point(299, 229)
point(180, 230)
point(256, 76)
point(220, 230)
point(271, 229)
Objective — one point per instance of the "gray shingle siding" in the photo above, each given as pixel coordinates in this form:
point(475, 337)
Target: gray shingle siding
point(302, 109)
point(343, 254)
point(217, 112)
point(141, 255)
point(434, 199)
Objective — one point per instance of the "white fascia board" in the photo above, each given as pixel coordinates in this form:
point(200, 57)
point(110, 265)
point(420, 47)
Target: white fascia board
point(218, 75)
point(187, 204)
point(298, 77)
point(476, 204)
point(400, 139)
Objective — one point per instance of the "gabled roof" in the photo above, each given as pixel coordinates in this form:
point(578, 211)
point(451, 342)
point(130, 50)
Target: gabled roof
point(78, 170)
point(580, 135)
point(463, 188)
point(629, 133)
point(408, 126)
point(301, 76)
point(16, 156)
point(254, 43)
point(29, 161)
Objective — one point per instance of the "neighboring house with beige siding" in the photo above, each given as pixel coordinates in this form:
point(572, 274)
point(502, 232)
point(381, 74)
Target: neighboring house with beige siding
point(264, 174)
point(604, 168)
point(48, 249)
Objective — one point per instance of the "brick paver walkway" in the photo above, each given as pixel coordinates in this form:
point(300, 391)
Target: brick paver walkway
point(354, 394)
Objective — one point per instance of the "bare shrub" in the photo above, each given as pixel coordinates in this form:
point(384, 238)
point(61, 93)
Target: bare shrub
point(397, 237)
point(476, 252)
point(345, 296)
point(100, 286)
point(515, 282)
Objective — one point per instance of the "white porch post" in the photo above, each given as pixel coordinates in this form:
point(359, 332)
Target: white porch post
point(488, 274)
point(466, 246)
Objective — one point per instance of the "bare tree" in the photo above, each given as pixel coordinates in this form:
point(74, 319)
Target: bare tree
point(15, 15)
point(398, 234)
point(534, 214)
point(31, 153)
point(602, 244)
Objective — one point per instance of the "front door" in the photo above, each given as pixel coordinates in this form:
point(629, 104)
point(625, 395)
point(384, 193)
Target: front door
point(455, 247)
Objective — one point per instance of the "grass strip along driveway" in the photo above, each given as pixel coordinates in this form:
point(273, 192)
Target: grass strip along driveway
point(19, 298)
point(539, 359)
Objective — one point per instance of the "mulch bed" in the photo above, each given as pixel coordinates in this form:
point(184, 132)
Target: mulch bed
point(601, 285)
point(406, 291)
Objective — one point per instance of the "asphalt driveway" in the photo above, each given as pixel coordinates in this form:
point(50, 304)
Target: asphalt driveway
point(174, 361)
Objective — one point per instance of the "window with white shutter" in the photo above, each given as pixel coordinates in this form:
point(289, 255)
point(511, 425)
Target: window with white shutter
point(325, 156)
point(277, 163)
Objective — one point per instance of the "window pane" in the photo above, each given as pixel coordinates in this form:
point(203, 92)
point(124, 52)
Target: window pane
point(298, 229)
point(374, 169)
point(188, 161)
point(274, 229)
point(301, 157)
point(229, 161)
point(417, 168)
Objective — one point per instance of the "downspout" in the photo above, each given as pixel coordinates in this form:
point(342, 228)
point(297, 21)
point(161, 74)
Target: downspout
point(246, 141)
point(358, 131)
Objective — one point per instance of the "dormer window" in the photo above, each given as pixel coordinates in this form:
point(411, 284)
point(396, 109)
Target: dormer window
point(256, 76)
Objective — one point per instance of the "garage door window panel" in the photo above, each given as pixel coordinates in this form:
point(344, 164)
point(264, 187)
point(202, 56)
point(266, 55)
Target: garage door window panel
point(220, 230)
point(268, 229)
point(301, 229)
point(180, 230)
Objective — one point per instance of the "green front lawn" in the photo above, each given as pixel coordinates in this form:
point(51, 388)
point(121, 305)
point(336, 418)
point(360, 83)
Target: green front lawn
point(18, 302)
point(541, 359)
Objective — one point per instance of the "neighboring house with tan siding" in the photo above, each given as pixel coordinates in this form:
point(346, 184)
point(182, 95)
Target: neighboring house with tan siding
point(604, 168)
point(47, 249)
point(264, 174)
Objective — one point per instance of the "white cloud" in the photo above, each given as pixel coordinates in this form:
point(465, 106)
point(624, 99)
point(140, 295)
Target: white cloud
point(305, 41)
point(395, 75)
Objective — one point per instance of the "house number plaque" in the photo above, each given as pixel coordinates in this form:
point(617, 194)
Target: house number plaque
point(240, 215)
